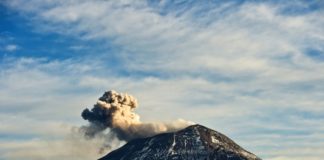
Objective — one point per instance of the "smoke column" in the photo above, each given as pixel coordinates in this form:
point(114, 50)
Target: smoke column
point(116, 112)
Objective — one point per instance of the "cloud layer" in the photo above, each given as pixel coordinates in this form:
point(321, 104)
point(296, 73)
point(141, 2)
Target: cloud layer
point(251, 70)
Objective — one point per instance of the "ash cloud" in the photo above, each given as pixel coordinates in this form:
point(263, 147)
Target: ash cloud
point(115, 112)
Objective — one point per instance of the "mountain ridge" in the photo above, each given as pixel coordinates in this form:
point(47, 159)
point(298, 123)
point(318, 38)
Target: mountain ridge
point(196, 142)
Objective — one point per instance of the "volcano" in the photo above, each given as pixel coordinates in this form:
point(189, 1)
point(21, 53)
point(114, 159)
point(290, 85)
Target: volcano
point(195, 142)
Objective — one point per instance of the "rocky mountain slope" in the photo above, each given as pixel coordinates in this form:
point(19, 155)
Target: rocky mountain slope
point(195, 142)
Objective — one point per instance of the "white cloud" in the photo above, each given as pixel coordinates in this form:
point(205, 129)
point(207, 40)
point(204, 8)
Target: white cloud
point(241, 70)
point(11, 47)
point(72, 147)
point(77, 47)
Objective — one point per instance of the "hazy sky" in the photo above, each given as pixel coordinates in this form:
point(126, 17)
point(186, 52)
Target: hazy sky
point(253, 70)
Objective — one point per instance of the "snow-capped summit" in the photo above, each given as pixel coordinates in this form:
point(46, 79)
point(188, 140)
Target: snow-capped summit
point(195, 142)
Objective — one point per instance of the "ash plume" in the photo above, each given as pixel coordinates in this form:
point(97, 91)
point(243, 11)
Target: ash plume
point(116, 111)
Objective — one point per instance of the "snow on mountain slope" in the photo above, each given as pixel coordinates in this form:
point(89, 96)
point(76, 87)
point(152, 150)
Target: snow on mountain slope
point(195, 142)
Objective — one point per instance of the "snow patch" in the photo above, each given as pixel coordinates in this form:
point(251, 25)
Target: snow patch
point(247, 154)
point(172, 146)
point(214, 140)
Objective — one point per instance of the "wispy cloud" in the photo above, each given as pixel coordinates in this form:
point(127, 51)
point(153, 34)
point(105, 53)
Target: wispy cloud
point(252, 70)
point(11, 47)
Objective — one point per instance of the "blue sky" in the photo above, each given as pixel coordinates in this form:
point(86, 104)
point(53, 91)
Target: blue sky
point(250, 69)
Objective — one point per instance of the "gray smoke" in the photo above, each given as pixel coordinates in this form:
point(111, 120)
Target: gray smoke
point(115, 112)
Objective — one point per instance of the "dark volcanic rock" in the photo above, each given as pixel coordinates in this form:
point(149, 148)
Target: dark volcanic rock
point(195, 142)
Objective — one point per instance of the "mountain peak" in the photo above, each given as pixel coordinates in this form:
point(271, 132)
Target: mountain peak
point(192, 143)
